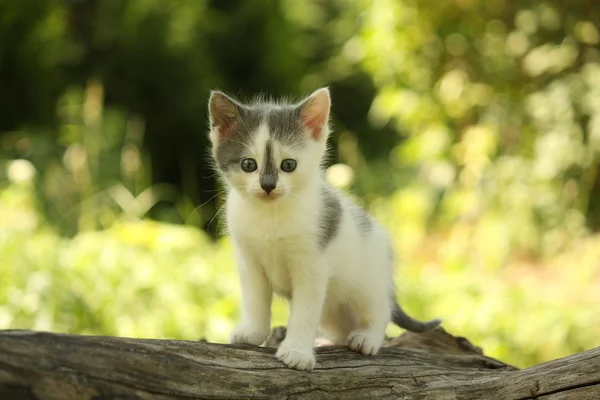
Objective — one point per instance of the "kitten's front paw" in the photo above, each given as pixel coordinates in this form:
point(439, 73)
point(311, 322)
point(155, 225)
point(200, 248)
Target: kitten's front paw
point(248, 335)
point(295, 357)
point(362, 342)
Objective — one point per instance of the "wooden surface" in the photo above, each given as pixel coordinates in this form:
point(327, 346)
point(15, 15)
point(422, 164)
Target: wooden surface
point(435, 365)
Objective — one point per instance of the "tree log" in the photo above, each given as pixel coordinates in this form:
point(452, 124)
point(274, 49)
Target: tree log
point(434, 365)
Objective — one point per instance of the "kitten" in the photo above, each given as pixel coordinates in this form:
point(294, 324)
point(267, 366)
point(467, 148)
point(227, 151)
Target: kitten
point(296, 236)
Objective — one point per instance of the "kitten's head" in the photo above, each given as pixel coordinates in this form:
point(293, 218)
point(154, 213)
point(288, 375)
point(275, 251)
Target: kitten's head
point(269, 151)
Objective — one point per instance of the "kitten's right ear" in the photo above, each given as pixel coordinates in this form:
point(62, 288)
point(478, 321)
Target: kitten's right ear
point(224, 115)
point(314, 113)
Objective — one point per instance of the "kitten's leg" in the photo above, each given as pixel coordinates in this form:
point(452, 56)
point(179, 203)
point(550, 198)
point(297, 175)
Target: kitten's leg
point(336, 323)
point(374, 313)
point(257, 296)
point(309, 285)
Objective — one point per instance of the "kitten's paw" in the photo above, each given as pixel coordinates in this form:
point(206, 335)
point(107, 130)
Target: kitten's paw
point(248, 335)
point(363, 342)
point(295, 357)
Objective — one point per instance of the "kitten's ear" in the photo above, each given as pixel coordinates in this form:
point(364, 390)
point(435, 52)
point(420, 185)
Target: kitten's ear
point(224, 115)
point(314, 113)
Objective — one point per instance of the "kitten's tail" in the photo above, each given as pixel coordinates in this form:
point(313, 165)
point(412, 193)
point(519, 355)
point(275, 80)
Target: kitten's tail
point(403, 320)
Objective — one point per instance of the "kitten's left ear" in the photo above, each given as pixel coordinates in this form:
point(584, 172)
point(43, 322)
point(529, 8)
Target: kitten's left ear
point(224, 114)
point(314, 113)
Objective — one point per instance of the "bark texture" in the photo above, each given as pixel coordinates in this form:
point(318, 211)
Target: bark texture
point(435, 365)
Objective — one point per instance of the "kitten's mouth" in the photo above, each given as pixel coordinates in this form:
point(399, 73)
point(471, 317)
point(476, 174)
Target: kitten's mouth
point(268, 197)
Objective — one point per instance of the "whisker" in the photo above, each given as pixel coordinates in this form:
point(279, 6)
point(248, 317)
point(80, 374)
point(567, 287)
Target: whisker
point(209, 200)
point(220, 210)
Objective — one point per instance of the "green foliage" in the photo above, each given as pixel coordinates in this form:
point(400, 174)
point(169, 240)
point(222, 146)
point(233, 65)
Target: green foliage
point(469, 128)
point(497, 113)
point(134, 279)
point(148, 279)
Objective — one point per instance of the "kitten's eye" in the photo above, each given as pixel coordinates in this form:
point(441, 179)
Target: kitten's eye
point(249, 165)
point(288, 165)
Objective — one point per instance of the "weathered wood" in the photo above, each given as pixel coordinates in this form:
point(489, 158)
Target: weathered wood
point(436, 365)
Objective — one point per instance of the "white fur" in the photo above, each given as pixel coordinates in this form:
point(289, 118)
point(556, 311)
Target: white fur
point(346, 288)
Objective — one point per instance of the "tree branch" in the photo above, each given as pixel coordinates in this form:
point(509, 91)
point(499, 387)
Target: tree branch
point(435, 365)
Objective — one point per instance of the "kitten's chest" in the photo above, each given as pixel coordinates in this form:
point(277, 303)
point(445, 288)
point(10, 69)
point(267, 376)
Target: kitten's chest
point(276, 264)
point(272, 227)
point(274, 239)
point(275, 258)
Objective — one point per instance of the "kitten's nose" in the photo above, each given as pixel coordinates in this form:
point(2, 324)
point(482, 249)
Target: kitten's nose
point(268, 186)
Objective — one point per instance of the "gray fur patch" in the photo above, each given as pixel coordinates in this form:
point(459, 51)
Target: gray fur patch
point(331, 215)
point(285, 126)
point(268, 174)
point(231, 149)
point(362, 219)
point(283, 122)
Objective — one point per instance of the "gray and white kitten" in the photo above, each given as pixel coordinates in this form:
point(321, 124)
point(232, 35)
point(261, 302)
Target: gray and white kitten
point(296, 236)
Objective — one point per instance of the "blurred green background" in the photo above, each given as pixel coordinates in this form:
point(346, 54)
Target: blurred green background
point(470, 128)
